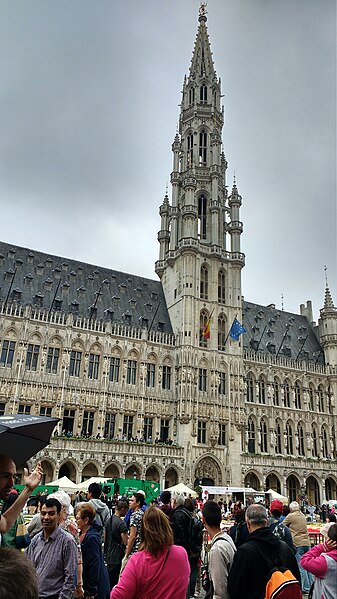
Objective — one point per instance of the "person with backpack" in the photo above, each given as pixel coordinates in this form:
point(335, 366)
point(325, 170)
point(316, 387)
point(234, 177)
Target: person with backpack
point(239, 531)
point(281, 531)
point(221, 554)
point(195, 539)
point(185, 531)
point(261, 560)
point(116, 539)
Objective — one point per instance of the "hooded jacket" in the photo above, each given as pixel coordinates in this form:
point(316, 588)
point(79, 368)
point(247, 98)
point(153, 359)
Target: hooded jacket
point(253, 562)
point(102, 511)
point(323, 564)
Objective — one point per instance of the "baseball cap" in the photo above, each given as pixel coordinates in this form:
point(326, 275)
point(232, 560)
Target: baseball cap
point(276, 505)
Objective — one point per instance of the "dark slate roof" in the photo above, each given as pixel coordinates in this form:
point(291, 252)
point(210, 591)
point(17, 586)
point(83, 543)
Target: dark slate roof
point(68, 285)
point(276, 332)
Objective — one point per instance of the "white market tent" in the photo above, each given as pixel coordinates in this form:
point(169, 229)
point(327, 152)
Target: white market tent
point(93, 479)
point(64, 484)
point(182, 489)
point(274, 495)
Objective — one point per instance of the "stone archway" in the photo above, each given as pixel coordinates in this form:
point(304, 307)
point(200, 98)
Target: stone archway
point(132, 472)
point(171, 477)
point(273, 482)
point(330, 488)
point(68, 469)
point(152, 473)
point(208, 472)
point(48, 471)
point(293, 488)
point(252, 481)
point(112, 471)
point(89, 470)
point(312, 491)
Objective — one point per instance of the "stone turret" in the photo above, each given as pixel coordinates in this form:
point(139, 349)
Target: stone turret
point(327, 326)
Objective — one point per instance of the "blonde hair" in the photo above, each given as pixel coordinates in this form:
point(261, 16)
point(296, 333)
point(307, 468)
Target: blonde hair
point(155, 531)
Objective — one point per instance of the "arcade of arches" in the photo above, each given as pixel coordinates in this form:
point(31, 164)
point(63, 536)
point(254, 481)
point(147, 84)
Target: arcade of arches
point(315, 491)
point(207, 471)
point(133, 471)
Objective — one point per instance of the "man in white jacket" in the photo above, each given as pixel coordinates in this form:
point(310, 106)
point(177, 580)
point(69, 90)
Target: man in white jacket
point(222, 551)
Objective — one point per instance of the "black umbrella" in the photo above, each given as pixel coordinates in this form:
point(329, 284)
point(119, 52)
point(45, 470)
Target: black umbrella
point(23, 436)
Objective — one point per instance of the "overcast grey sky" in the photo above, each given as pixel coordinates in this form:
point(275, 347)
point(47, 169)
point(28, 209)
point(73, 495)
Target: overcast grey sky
point(89, 99)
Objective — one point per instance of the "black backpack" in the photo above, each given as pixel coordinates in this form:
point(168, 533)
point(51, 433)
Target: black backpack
point(195, 535)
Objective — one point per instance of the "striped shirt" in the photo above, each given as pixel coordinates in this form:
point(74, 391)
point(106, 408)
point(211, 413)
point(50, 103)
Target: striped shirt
point(55, 561)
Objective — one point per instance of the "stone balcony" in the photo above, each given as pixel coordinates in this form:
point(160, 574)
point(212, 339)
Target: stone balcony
point(111, 450)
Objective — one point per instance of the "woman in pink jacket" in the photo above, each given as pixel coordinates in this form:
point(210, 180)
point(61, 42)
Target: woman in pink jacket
point(321, 560)
point(159, 569)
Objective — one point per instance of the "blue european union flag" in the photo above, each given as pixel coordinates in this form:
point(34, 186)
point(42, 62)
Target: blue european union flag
point(236, 330)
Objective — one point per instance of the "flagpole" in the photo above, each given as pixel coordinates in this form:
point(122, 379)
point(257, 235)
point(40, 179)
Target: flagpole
point(230, 328)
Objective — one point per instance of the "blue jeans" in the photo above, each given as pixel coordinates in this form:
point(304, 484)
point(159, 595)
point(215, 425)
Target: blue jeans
point(306, 578)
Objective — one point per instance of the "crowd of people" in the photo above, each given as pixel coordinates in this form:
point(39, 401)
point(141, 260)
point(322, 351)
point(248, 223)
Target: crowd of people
point(168, 550)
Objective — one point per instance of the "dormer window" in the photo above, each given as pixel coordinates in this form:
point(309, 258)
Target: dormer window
point(16, 294)
point(74, 307)
point(57, 303)
point(127, 317)
point(38, 299)
point(109, 314)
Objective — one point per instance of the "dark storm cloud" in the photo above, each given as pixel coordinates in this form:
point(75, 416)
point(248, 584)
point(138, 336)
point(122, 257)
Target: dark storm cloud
point(88, 111)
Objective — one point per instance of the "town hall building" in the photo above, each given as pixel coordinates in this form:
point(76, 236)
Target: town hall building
point(143, 374)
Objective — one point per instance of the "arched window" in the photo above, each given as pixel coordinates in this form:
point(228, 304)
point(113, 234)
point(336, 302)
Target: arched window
point(191, 95)
point(222, 332)
point(190, 149)
point(293, 488)
point(203, 321)
point(264, 436)
point(202, 217)
point(276, 392)
point(278, 432)
point(250, 387)
point(251, 435)
point(262, 389)
point(325, 445)
point(202, 148)
point(314, 443)
point(203, 93)
point(300, 435)
point(297, 394)
point(311, 398)
point(286, 390)
point(289, 439)
point(221, 287)
point(203, 282)
point(321, 402)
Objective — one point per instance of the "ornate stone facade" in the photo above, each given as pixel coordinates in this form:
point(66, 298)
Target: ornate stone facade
point(127, 364)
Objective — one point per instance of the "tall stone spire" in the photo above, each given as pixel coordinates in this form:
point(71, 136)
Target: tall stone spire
point(197, 269)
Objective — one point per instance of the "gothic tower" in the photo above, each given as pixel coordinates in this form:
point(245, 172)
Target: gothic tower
point(200, 258)
point(200, 263)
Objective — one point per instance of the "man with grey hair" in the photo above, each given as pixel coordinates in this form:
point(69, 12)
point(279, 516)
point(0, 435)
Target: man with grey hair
point(255, 559)
point(298, 527)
